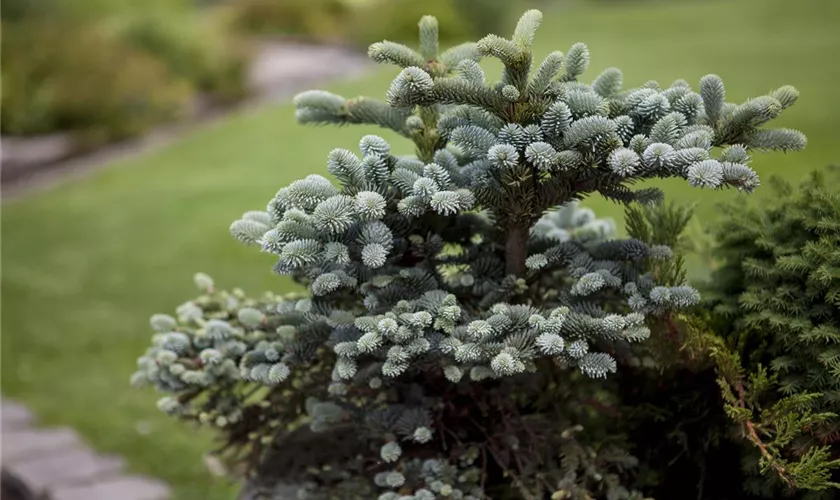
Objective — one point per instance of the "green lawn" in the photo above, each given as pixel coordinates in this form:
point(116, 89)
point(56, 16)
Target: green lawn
point(84, 265)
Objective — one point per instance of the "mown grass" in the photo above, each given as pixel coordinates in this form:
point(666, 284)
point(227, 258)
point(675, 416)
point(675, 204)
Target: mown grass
point(84, 265)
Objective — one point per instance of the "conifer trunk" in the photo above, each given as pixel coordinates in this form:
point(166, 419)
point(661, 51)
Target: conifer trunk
point(516, 250)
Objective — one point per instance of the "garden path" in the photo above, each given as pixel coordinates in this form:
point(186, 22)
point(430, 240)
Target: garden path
point(279, 70)
point(55, 464)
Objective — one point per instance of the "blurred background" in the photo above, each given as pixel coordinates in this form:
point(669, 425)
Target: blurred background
point(86, 262)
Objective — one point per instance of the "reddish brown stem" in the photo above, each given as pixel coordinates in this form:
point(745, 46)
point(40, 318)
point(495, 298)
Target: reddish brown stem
point(753, 436)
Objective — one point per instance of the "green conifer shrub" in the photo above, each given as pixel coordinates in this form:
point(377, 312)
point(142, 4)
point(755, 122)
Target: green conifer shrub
point(697, 399)
point(461, 312)
point(776, 304)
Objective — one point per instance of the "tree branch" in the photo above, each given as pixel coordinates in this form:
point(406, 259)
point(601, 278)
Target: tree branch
point(753, 436)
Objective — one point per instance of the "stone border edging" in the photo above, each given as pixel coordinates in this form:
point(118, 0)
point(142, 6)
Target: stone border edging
point(55, 464)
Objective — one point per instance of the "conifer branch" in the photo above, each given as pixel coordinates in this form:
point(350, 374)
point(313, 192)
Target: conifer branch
point(752, 435)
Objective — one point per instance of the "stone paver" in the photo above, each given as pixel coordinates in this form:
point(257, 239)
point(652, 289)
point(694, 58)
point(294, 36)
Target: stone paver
point(68, 467)
point(14, 415)
point(55, 464)
point(22, 444)
point(119, 488)
point(19, 152)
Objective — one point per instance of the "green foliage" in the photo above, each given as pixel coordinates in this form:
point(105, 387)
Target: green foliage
point(772, 429)
point(779, 433)
point(95, 86)
point(776, 291)
point(199, 49)
point(126, 69)
point(396, 20)
point(99, 9)
point(313, 19)
point(774, 299)
point(663, 225)
point(486, 16)
point(15, 10)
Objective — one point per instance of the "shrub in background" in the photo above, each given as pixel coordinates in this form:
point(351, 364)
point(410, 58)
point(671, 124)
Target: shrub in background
point(363, 22)
point(96, 86)
point(322, 20)
point(487, 16)
point(107, 70)
point(454, 338)
point(199, 49)
point(396, 20)
point(15, 10)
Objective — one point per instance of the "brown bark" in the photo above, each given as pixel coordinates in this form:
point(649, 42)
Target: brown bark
point(516, 250)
